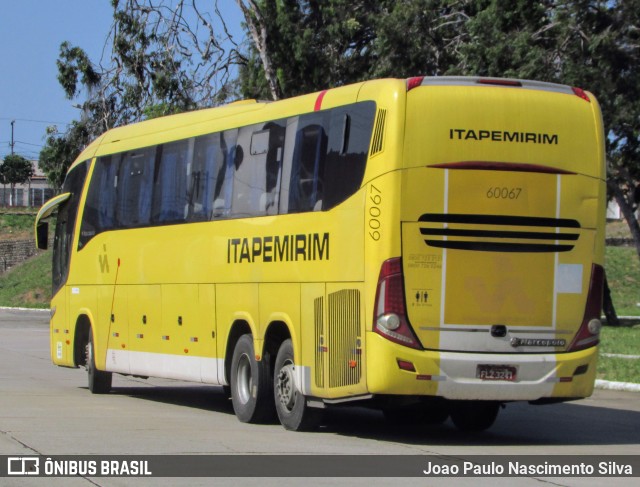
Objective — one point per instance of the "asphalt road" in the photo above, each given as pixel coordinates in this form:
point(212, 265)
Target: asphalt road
point(48, 410)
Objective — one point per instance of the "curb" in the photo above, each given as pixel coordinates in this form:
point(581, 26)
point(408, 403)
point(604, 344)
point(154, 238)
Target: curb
point(9, 308)
point(620, 355)
point(617, 386)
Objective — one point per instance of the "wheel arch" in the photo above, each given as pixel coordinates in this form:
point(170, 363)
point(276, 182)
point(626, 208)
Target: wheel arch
point(277, 332)
point(83, 326)
point(238, 328)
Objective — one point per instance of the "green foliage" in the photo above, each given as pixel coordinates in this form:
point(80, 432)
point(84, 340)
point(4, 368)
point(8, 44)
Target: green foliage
point(16, 224)
point(15, 169)
point(61, 150)
point(161, 58)
point(74, 63)
point(313, 45)
point(620, 340)
point(623, 274)
point(619, 369)
point(623, 341)
point(510, 39)
point(419, 37)
point(28, 285)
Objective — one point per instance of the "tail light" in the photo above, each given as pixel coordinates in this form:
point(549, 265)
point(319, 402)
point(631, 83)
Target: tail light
point(414, 82)
point(581, 93)
point(390, 320)
point(589, 333)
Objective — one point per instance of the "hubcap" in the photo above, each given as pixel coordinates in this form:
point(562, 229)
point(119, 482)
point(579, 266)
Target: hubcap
point(244, 380)
point(286, 389)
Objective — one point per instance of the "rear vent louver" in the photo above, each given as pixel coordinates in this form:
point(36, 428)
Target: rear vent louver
point(318, 312)
point(498, 233)
point(344, 343)
point(378, 133)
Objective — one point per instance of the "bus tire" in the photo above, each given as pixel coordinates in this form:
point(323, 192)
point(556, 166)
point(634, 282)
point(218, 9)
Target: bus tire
point(474, 416)
point(293, 412)
point(99, 381)
point(251, 384)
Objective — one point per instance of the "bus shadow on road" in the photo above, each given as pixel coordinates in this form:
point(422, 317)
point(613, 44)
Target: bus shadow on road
point(208, 398)
point(519, 424)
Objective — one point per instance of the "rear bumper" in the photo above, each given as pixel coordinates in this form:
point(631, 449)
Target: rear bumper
point(453, 375)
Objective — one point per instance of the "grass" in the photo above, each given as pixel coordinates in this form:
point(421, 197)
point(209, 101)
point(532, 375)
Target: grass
point(623, 274)
point(15, 225)
point(624, 341)
point(28, 285)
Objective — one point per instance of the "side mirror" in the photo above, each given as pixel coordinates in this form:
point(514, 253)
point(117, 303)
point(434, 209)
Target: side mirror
point(42, 235)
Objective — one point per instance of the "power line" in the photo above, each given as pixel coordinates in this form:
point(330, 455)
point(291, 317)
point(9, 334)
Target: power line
point(28, 143)
point(34, 121)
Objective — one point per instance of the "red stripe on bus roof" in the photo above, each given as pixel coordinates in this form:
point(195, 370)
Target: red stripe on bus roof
point(318, 105)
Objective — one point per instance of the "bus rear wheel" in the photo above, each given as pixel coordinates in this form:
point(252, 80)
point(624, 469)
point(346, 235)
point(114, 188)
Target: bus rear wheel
point(251, 384)
point(99, 381)
point(291, 405)
point(474, 416)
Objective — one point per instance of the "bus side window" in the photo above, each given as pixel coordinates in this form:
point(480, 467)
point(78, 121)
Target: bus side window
point(349, 138)
point(135, 188)
point(258, 164)
point(306, 186)
point(207, 156)
point(273, 173)
point(249, 174)
point(100, 206)
point(170, 199)
point(65, 224)
point(224, 180)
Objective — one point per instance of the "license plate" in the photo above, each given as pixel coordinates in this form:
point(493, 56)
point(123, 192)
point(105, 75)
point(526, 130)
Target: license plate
point(496, 372)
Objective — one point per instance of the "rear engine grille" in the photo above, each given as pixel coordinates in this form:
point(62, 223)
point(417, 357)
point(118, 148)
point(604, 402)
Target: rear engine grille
point(318, 307)
point(499, 233)
point(345, 366)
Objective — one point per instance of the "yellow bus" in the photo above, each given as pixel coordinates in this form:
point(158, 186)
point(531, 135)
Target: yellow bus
point(432, 247)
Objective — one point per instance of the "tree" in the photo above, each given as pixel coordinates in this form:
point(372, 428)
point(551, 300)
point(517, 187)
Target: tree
point(304, 46)
point(420, 37)
point(603, 53)
point(61, 150)
point(511, 39)
point(159, 58)
point(14, 170)
point(163, 58)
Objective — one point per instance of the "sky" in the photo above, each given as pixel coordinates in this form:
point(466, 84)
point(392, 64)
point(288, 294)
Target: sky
point(31, 32)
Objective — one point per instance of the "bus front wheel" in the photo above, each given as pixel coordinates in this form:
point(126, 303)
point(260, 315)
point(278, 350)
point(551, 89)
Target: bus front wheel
point(291, 405)
point(251, 386)
point(99, 381)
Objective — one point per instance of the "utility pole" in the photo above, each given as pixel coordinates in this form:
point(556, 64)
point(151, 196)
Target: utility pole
point(12, 141)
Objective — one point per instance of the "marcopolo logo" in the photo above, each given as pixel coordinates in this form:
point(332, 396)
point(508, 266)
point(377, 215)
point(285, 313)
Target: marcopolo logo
point(23, 466)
